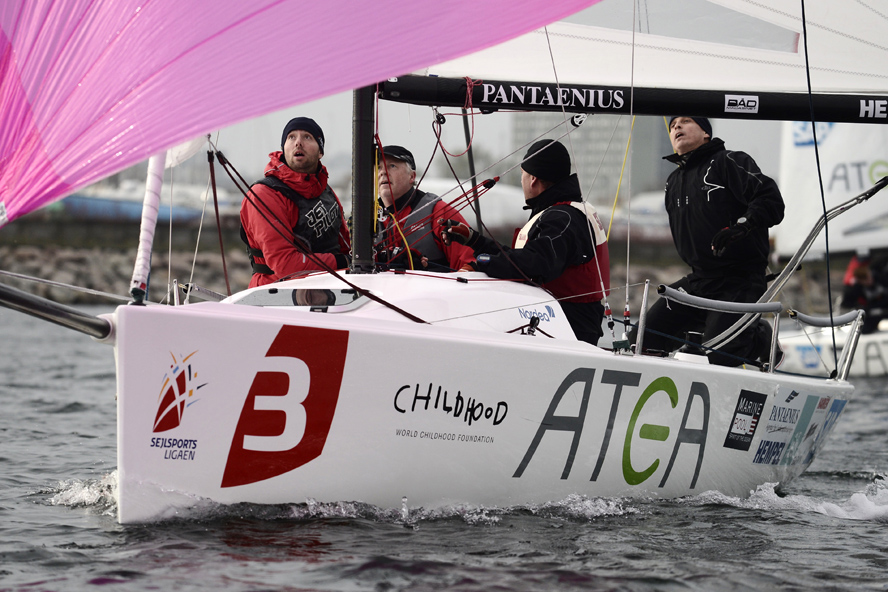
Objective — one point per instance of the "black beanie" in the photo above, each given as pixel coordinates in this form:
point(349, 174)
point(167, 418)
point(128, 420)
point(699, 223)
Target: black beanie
point(552, 164)
point(701, 121)
point(305, 124)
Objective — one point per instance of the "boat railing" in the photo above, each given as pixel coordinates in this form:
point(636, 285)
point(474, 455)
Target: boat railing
point(855, 317)
point(753, 308)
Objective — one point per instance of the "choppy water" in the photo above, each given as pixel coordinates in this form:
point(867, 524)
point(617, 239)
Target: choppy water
point(827, 531)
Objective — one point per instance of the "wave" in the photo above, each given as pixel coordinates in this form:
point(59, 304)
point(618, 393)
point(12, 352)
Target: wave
point(870, 504)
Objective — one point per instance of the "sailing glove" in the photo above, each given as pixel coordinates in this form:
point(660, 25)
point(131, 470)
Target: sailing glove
point(726, 236)
point(454, 230)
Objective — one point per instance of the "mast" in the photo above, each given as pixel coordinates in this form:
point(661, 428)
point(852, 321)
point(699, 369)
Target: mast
point(362, 180)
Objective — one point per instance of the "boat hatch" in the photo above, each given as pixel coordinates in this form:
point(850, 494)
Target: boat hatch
point(317, 299)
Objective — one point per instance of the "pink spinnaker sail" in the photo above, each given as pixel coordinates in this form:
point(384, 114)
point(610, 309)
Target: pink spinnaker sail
point(90, 87)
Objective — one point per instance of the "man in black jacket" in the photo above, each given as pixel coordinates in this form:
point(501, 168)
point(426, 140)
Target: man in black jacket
point(563, 247)
point(720, 207)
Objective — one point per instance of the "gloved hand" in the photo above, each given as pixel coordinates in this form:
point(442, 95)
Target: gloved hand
point(419, 262)
point(726, 236)
point(342, 260)
point(453, 230)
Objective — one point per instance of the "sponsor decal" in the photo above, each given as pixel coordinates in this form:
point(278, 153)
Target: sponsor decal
point(784, 415)
point(552, 95)
point(176, 394)
point(829, 422)
point(470, 409)
point(855, 176)
point(444, 436)
point(746, 417)
point(545, 317)
point(321, 219)
point(612, 384)
point(289, 408)
point(175, 448)
point(741, 104)
point(873, 109)
point(768, 452)
point(796, 443)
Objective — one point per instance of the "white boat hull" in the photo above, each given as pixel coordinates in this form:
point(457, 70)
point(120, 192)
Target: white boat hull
point(234, 403)
point(814, 354)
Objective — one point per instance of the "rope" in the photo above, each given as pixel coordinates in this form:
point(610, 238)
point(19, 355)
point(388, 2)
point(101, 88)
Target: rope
point(819, 176)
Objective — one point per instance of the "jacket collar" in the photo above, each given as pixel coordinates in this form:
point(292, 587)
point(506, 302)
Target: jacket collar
point(410, 198)
point(308, 185)
point(705, 151)
point(565, 190)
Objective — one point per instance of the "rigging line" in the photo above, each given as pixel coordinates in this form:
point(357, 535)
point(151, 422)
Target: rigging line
point(437, 131)
point(293, 240)
point(516, 151)
point(558, 87)
point(598, 170)
point(203, 212)
point(819, 180)
point(467, 106)
point(480, 189)
point(628, 156)
point(311, 256)
point(212, 181)
point(90, 291)
point(607, 309)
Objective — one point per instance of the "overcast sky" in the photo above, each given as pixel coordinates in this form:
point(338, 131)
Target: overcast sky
point(247, 144)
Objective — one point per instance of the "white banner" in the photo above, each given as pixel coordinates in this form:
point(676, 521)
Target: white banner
point(852, 158)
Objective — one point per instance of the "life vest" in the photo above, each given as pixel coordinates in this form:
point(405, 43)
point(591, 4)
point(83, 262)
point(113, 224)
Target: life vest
point(587, 278)
point(417, 228)
point(318, 225)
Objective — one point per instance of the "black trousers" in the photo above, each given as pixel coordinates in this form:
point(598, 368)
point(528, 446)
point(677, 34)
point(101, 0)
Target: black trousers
point(667, 321)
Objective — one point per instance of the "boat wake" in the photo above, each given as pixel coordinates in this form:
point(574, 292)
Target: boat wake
point(100, 494)
point(869, 504)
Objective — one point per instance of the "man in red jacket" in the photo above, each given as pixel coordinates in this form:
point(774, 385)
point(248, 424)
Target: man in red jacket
point(292, 221)
point(410, 218)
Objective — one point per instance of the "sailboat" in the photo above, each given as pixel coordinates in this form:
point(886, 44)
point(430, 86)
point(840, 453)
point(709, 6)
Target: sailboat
point(852, 156)
point(276, 395)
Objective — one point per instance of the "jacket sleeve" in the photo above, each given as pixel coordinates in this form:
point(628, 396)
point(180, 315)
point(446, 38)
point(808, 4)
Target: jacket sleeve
point(274, 236)
point(760, 194)
point(458, 256)
point(552, 245)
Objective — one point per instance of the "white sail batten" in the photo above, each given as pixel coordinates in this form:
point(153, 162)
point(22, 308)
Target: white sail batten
point(150, 207)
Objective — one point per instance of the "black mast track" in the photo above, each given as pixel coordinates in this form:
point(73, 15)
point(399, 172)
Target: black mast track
point(494, 95)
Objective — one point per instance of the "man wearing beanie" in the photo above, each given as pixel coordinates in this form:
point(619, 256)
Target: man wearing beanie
point(292, 221)
point(720, 207)
point(410, 236)
point(563, 247)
